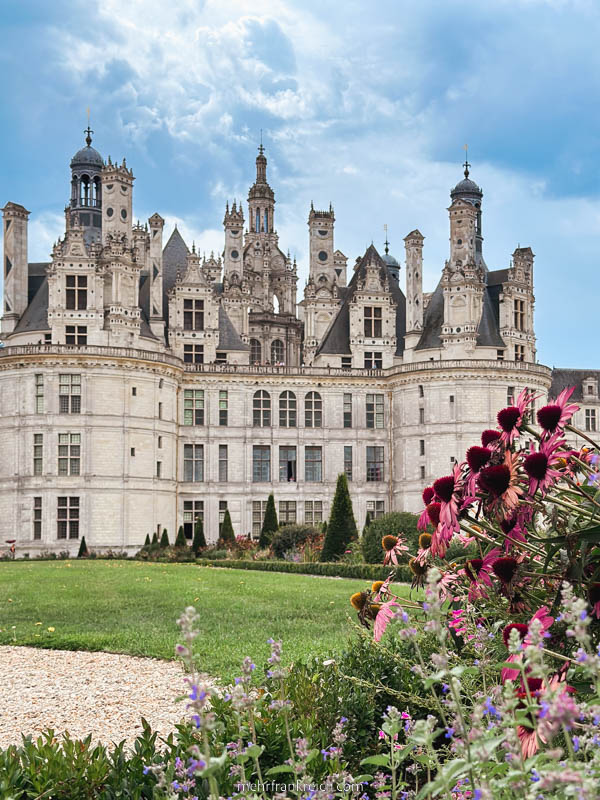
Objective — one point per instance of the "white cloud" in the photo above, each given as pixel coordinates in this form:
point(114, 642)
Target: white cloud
point(43, 231)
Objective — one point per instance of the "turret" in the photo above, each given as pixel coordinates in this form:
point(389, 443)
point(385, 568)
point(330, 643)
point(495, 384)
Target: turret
point(117, 188)
point(413, 244)
point(157, 323)
point(16, 275)
point(261, 199)
point(233, 223)
point(86, 190)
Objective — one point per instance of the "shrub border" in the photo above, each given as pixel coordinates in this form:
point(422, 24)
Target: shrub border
point(369, 572)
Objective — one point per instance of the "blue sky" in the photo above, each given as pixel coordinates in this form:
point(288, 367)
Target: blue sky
point(366, 105)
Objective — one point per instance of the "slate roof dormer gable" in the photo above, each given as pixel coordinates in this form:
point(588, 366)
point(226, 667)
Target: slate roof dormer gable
point(337, 338)
point(175, 254)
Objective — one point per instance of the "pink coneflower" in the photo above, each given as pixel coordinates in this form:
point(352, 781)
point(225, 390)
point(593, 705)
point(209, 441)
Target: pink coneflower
point(554, 416)
point(500, 481)
point(477, 458)
point(546, 620)
point(539, 465)
point(490, 437)
point(511, 418)
point(423, 521)
point(440, 539)
point(513, 530)
point(528, 739)
point(478, 571)
point(448, 490)
point(394, 549)
point(505, 568)
point(593, 593)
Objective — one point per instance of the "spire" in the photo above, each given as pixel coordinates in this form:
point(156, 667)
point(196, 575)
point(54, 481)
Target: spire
point(466, 165)
point(88, 138)
point(386, 243)
point(261, 164)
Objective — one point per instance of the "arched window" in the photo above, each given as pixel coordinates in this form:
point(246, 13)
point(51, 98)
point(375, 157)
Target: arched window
point(277, 352)
point(255, 351)
point(258, 220)
point(287, 410)
point(266, 221)
point(261, 409)
point(313, 410)
point(84, 189)
point(97, 192)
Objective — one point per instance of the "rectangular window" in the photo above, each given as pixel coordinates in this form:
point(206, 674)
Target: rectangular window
point(376, 508)
point(510, 396)
point(421, 447)
point(287, 512)
point(39, 394)
point(373, 321)
point(37, 517)
point(287, 464)
point(76, 292)
point(258, 514)
point(192, 510)
point(347, 411)
point(223, 407)
point(374, 464)
point(69, 453)
point(193, 353)
point(221, 358)
point(421, 392)
point(313, 512)
point(159, 469)
point(373, 360)
point(68, 518)
point(421, 416)
point(193, 462)
point(134, 391)
point(132, 451)
point(261, 463)
point(160, 441)
point(223, 463)
point(160, 406)
point(222, 510)
point(374, 411)
point(69, 394)
point(38, 453)
point(519, 352)
point(313, 464)
point(193, 315)
point(422, 472)
point(500, 355)
point(519, 309)
point(590, 419)
point(348, 461)
point(76, 334)
point(346, 362)
point(193, 406)
point(452, 404)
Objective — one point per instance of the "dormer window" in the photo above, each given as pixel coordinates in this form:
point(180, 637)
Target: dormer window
point(76, 292)
point(193, 315)
point(590, 388)
point(373, 321)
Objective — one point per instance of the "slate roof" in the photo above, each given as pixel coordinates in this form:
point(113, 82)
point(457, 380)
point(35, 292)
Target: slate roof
point(563, 378)
point(175, 254)
point(337, 338)
point(488, 333)
point(35, 316)
point(229, 338)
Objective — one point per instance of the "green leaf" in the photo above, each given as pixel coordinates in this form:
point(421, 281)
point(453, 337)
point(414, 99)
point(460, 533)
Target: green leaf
point(377, 761)
point(281, 768)
point(585, 535)
point(254, 750)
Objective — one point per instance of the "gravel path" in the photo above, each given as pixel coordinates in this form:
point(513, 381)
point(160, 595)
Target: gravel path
point(99, 693)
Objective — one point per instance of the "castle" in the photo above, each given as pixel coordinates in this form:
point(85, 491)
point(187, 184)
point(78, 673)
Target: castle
point(142, 385)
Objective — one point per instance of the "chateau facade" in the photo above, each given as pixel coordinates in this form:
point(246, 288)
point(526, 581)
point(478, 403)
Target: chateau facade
point(142, 385)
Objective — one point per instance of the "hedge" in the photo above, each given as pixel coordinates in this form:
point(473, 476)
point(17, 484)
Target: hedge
point(368, 572)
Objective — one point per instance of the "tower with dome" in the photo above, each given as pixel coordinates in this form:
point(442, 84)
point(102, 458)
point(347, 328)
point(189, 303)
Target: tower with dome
point(143, 385)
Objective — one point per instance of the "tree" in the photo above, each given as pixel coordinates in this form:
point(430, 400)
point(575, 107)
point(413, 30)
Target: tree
point(199, 540)
point(367, 522)
point(341, 528)
point(393, 523)
point(83, 551)
point(180, 541)
point(147, 542)
point(164, 539)
point(227, 534)
point(270, 525)
point(154, 545)
point(324, 527)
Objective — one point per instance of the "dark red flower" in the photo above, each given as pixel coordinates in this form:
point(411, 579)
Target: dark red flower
point(505, 568)
point(508, 418)
point(444, 488)
point(536, 466)
point(548, 417)
point(472, 568)
point(489, 436)
point(495, 480)
point(433, 512)
point(428, 495)
point(508, 524)
point(517, 626)
point(477, 457)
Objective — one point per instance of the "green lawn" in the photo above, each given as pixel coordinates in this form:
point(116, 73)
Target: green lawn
point(132, 607)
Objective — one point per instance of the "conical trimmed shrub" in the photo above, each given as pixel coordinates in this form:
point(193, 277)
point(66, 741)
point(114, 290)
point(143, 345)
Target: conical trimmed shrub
point(147, 542)
point(227, 534)
point(164, 539)
point(341, 528)
point(270, 524)
point(180, 541)
point(83, 551)
point(199, 540)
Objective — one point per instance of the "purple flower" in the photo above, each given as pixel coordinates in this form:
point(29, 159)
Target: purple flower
point(146, 770)
point(576, 743)
point(449, 733)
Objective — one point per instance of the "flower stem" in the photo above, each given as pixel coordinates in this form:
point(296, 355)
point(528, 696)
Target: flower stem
point(577, 432)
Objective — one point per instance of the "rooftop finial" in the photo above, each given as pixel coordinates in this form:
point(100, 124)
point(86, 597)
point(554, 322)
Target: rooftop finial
point(88, 130)
point(466, 165)
point(261, 149)
point(387, 244)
